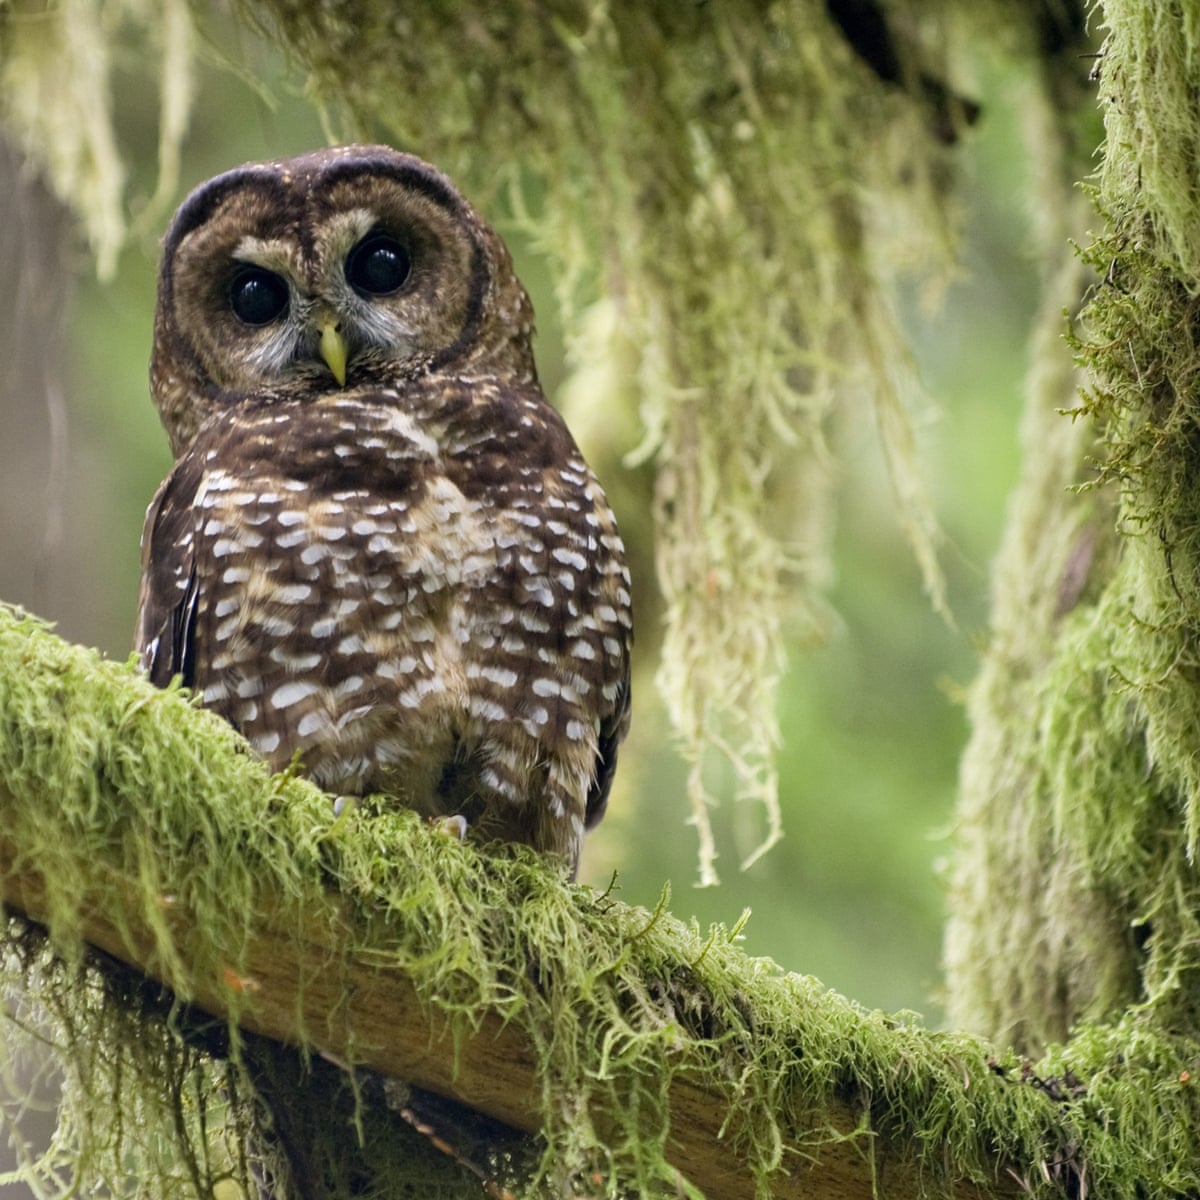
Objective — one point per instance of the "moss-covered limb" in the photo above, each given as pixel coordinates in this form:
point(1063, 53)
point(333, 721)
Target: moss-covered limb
point(136, 821)
point(1148, 77)
point(378, 1020)
point(634, 1044)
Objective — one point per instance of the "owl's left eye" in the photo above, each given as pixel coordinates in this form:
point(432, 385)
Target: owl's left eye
point(257, 296)
point(378, 265)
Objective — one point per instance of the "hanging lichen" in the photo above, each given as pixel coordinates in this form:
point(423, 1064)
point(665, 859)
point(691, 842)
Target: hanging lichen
point(56, 67)
point(734, 182)
point(716, 171)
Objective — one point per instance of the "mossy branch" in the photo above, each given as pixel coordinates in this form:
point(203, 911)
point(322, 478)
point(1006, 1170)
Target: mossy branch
point(635, 1046)
point(379, 1020)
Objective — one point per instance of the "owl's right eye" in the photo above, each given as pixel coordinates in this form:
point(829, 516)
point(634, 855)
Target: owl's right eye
point(378, 266)
point(257, 296)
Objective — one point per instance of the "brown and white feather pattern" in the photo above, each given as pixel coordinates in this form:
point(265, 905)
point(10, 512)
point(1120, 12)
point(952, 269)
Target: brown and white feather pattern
point(417, 585)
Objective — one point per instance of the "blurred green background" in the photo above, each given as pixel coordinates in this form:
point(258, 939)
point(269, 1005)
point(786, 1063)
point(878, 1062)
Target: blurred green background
point(873, 720)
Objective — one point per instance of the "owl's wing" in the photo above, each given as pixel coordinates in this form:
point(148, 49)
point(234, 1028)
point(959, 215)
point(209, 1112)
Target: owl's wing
point(167, 598)
point(613, 729)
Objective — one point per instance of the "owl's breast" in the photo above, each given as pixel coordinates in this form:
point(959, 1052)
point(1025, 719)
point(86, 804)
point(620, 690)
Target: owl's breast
point(412, 607)
point(330, 615)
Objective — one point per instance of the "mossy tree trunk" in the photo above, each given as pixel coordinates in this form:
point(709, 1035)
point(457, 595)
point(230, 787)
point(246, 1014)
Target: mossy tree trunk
point(658, 1060)
point(1077, 894)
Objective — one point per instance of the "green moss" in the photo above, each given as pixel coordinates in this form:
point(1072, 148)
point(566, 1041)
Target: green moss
point(100, 771)
point(1082, 783)
point(1151, 61)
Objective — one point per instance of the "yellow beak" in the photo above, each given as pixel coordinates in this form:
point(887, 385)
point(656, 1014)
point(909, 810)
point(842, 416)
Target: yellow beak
point(333, 350)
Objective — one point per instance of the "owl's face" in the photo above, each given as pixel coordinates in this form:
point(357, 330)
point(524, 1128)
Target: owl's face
point(351, 267)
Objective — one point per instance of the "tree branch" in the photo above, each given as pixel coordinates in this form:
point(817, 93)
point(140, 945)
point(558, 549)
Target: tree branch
point(495, 1072)
point(136, 823)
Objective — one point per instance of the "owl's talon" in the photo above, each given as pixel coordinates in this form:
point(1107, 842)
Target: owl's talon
point(344, 805)
point(455, 826)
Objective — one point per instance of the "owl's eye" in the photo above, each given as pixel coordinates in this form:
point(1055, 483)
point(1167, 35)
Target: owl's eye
point(378, 265)
point(257, 296)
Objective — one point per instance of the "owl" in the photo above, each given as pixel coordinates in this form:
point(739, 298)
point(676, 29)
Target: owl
point(379, 547)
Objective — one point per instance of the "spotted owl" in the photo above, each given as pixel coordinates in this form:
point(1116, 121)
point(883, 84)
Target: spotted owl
point(379, 546)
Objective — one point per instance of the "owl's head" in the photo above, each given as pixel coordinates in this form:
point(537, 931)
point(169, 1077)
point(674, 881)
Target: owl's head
point(349, 267)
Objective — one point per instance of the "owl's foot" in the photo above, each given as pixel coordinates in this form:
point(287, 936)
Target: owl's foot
point(345, 805)
point(455, 826)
